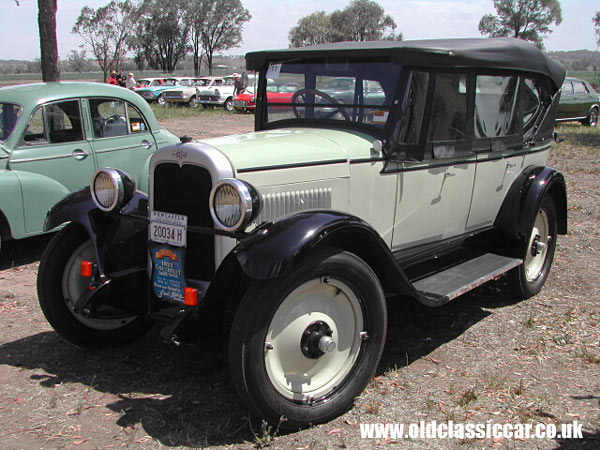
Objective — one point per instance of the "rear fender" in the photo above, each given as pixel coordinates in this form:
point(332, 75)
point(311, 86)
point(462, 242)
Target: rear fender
point(518, 211)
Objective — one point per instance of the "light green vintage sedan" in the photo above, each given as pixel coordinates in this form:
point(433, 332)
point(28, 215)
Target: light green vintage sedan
point(53, 137)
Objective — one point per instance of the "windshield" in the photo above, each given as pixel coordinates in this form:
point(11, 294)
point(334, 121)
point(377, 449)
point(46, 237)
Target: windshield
point(9, 115)
point(342, 90)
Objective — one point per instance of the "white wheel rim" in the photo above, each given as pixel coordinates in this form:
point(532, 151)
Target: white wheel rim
point(534, 263)
point(292, 374)
point(74, 285)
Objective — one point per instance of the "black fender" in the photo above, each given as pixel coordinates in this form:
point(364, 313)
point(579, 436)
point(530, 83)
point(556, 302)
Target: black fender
point(109, 232)
point(520, 206)
point(276, 248)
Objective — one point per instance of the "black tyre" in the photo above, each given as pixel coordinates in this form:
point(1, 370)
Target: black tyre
point(228, 105)
point(193, 103)
point(304, 345)
point(161, 99)
point(529, 278)
point(59, 284)
point(592, 118)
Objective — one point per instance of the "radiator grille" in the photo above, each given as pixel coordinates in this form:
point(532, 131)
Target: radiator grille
point(282, 203)
point(185, 190)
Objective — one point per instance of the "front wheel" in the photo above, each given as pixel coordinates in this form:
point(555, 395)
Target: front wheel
point(304, 345)
point(161, 99)
point(193, 103)
point(228, 105)
point(529, 278)
point(60, 284)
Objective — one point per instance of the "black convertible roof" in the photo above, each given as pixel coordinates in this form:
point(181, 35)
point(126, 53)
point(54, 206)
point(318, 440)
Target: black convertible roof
point(496, 53)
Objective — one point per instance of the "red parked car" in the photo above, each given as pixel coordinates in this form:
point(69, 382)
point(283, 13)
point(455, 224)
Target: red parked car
point(276, 93)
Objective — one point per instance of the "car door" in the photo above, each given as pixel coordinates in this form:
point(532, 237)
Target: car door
point(121, 136)
point(567, 106)
point(497, 143)
point(583, 98)
point(434, 194)
point(53, 158)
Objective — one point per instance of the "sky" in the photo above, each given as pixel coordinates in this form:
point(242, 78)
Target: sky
point(272, 20)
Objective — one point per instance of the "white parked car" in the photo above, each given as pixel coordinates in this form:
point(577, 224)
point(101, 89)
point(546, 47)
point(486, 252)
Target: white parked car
point(218, 92)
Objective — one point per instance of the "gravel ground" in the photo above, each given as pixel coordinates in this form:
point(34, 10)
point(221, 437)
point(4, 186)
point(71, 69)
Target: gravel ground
point(484, 357)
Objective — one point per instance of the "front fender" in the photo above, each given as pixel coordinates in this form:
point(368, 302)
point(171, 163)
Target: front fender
point(106, 230)
point(278, 247)
point(11, 204)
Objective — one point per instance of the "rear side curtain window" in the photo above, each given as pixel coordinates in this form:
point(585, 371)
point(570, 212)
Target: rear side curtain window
point(496, 106)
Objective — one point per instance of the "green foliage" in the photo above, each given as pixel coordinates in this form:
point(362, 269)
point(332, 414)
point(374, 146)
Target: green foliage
point(529, 20)
point(161, 33)
point(106, 30)
point(361, 20)
point(222, 27)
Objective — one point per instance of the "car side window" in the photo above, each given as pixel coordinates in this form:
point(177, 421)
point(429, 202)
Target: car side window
point(36, 130)
point(533, 100)
point(448, 120)
point(408, 129)
point(109, 117)
point(495, 106)
point(64, 122)
point(579, 88)
point(567, 88)
point(137, 124)
point(55, 123)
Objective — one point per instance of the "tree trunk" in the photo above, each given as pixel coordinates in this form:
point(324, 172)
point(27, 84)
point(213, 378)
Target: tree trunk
point(48, 44)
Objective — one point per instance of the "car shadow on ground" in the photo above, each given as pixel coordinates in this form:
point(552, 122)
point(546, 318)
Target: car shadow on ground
point(183, 396)
point(16, 253)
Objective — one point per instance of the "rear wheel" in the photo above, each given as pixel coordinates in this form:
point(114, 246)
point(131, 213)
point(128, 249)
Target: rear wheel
point(592, 118)
point(60, 284)
point(529, 278)
point(304, 345)
point(193, 103)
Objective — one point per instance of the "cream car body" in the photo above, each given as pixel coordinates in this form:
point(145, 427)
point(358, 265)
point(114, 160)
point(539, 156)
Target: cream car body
point(219, 92)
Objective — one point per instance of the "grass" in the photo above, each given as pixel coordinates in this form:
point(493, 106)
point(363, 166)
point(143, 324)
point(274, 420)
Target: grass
point(176, 112)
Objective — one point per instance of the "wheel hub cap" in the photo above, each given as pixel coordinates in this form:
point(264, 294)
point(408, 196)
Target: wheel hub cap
point(316, 340)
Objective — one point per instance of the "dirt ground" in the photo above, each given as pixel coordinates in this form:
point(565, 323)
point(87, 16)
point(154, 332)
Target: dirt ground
point(484, 357)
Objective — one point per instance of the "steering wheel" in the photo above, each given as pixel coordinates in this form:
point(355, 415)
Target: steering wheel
point(302, 94)
point(116, 118)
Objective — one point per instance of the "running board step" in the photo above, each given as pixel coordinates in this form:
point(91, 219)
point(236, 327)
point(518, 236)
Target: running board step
point(450, 283)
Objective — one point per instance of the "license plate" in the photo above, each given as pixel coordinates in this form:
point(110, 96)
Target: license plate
point(168, 228)
point(168, 277)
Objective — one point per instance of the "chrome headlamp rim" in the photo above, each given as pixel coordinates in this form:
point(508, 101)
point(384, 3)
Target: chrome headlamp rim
point(245, 194)
point(118, 186)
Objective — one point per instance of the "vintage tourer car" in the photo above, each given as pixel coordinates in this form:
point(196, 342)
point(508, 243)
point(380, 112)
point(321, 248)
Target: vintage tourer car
point(579, 102)
point(53, 138)
point(296, 236)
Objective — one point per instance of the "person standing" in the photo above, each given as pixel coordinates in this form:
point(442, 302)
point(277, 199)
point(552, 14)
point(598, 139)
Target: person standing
point(130, 83)
point(121, 78)
point(113, 78)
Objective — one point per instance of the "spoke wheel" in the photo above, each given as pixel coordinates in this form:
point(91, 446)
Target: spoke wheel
point(305, 344)
point(292, 366)
point(529, 278)
point(60, 284)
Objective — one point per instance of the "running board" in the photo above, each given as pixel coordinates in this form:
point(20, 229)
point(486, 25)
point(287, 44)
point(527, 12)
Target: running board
point(450, 283)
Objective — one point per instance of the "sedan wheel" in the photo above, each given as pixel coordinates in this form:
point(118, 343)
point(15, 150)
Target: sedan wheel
point(228, 105)
point(592, 119)
point(161, 99)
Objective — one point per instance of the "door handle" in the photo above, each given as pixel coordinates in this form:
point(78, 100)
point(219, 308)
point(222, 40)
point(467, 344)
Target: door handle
point(510, 165)
point(447, 173)
point(147, 144)
point(80, 154)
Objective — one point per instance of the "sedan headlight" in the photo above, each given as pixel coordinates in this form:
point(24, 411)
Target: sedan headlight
point(111, 188)
point(234, 204)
